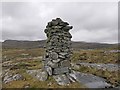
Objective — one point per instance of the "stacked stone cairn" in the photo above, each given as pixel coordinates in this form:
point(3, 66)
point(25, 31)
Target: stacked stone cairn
point(58, 49)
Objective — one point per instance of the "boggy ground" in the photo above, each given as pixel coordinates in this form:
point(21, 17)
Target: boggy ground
point(17, 61)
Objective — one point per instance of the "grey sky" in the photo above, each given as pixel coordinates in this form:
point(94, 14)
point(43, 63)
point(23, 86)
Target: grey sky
point(91, 21)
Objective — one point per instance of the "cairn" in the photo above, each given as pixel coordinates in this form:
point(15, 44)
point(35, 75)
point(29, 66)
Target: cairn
point(58, 48)
point(57, 61)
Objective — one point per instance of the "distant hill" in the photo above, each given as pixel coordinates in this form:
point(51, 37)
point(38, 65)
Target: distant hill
point(40, 44)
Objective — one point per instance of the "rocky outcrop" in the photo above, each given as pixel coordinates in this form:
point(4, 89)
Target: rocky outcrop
point(8, 77)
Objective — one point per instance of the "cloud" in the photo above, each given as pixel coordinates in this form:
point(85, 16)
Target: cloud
point(93, 22)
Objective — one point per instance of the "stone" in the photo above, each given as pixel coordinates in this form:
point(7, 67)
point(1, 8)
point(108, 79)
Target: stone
point(65, 63)
point(49, 70)
point(70, 78)
point(52, 64)
point(56, 61)
point(18, 77)
point(42, 76)
point(38, 74)
point(49, 24)
point(63, 54)
point(54, 22)
point(66, 28)
point(32, 72)
point(63, 24)
point(62, 57)
point(8, 77)
point(89, 80)
point(54, 55)
point(62, 79)
point(61, 70)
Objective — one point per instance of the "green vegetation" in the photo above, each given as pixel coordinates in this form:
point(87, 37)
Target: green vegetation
point(95, 56)
point(28, 59)
point(22, 60)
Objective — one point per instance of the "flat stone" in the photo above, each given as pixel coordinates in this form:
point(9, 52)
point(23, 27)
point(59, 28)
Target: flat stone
point(65, 63)
point(58, 27)
point(61, 70)
point(63, 24)
point(62, 57)
point(109, 67)
point(62, 79)
point(42, 76)
point(38, 74)
point(56, 61)
point(67, 28)
point(70, 78)
point(89, 80)
point(63, 53)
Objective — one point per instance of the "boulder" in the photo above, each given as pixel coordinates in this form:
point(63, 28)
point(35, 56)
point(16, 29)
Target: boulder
point(42, 76)
point(62, 79)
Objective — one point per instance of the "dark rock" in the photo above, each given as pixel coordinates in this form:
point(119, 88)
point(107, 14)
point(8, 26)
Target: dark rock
point(67, 28)
point(63, 24)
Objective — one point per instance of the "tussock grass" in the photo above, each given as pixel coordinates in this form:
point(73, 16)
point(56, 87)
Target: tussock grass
point(25, 60)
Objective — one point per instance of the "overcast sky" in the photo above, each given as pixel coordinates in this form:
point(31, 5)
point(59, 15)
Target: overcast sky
point(92, 22)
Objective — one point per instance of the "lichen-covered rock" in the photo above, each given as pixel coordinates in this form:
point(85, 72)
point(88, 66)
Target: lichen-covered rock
point(62, 79)
point(18, 77)
point(42, 76)
point(8, 77)
point(38, 74)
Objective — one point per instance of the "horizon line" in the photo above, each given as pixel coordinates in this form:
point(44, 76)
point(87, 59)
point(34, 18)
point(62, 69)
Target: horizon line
point(71, 40)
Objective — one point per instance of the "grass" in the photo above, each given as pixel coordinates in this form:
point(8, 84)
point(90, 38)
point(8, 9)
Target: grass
point(95, 56)
point(34, 83)
point(24, 63)
point(25, 59)
point(13, 54)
